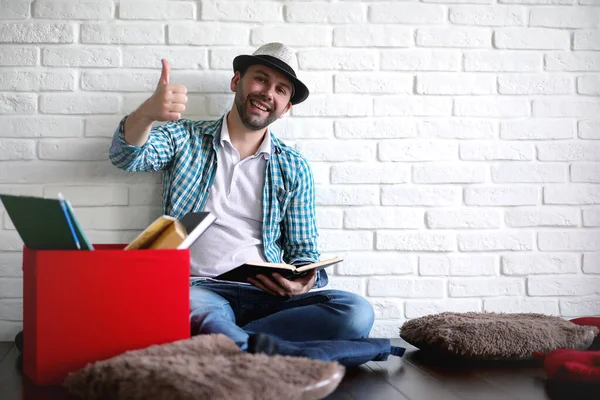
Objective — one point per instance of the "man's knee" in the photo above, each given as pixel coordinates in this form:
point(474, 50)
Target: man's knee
point(357, 315)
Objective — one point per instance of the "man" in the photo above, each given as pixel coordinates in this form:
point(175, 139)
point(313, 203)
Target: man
point(261, 192)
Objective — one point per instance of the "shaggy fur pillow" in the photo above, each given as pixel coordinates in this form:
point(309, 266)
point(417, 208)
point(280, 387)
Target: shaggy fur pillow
point(495, 336)
point(204, 367)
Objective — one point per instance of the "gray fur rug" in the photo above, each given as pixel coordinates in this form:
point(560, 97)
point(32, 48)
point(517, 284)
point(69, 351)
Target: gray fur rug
point(204, 367)
point(495, 336)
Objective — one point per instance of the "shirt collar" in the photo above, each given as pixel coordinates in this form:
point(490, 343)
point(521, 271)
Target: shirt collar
point(264, 148)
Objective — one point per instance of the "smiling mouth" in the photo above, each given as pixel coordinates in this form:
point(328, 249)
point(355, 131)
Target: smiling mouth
point(259, 106)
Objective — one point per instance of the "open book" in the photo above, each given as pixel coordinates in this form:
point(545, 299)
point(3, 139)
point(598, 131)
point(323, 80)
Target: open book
point(167, 232)
point(251, 269)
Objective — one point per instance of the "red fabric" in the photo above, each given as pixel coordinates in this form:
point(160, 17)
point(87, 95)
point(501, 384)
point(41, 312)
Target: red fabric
point(83, 306)
point(572, 365)
point(587, 321)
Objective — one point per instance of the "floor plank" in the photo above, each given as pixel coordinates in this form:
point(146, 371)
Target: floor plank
point(363, 383)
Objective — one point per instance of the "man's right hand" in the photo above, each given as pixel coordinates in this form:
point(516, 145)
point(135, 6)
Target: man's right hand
point(167, 103)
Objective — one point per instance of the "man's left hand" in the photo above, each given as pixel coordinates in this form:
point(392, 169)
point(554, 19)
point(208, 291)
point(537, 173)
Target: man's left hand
point(279, 286)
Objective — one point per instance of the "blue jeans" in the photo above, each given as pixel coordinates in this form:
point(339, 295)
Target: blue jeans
point(238, 310)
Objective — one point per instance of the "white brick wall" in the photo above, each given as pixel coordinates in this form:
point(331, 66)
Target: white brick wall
point(454, 143)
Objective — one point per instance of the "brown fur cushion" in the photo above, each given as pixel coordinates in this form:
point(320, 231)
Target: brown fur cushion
point(495, 336)
point(204, 367)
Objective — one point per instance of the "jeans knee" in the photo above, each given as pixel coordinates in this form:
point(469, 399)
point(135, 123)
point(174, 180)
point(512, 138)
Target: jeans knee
point(357, 316)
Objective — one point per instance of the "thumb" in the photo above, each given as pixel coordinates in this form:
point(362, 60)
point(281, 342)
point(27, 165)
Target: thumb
point(166, 70)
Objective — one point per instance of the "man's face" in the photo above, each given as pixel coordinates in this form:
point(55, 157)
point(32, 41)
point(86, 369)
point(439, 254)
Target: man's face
point(262, 96)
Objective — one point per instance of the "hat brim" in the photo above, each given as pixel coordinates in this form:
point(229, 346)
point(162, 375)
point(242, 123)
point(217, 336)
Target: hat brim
point(241, 63)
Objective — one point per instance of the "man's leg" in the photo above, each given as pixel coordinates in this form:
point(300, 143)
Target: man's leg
point(319, 315)
point(212, 312)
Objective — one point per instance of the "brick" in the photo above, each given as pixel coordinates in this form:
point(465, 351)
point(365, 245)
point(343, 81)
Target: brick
point(375, 128)
point(521, 305)
point(11, 264)
point(572, 61)
point(90, 196)
point(39, 32)
point(329, 218)
point(420, 60)
point(259, 11)
point(338, 240)
point(453, 37)
point(101, 126)
point(382, 217)
point(376, 263)
point(579, 307)
point(491, 107)
point(80, 103)
point(554, 17)
point(457, 219)
point(535, 84)
point(591, 263)
point(14, 9)
point(456, 128)
point(222, 58)
point(569, 151)
point(18, 103)
point(586, 40)
point(519, 241)
point(217, 105)
point(485, 287)
point(568, 241)
point(161, 10)
point(347, 195)
point(501, 196)
point(563, 286)
point(399, 195)
point(454, 84)
point(11, 288)
point(17, 149)
point(547, 216)
point(318, 81)
point(9, 241)
point(58, 9)
point(372, 36)
point(387, 308)
point(487, 16)
point(589, 129)
point(585, 172)
point(116, 217)
point(421, 308)
point(448, 173)
point(457, 265)
point(198, 81)
point(11, 309)
point(406, 287)
point(115, 236)
point(322, 12)
point(502, 61)
point(566, 107)
point(336, 150)
point(380, 329)
point(370, 173)
point(428, 106)
point(537, 129)
point(529, 173)
point(179, 58)
point(367, 82)
point(303, 128)
point(73, 149)
point(537, 2)
point(208, 34)
point(591, 217)
point(488, 151)
point(145, 195)
point(572, 194)
point(81, 57)
point(292, 35)
point(147, 33)
point(334, 106)
point(528, 264)
point(589, 85)
point(390, 240)
point(18, 56)
point(531, 38)
point(132, 101)
point(421, 150)
point(33, 81)
point(337, 59)
point(459, 1)
point(417, 14)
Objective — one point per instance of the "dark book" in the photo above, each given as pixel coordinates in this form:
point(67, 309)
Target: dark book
point(251, 269)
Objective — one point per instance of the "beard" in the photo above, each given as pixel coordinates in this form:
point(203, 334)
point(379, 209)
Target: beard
point(251, 121)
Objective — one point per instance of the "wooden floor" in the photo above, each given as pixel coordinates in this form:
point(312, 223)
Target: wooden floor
point(415, 377)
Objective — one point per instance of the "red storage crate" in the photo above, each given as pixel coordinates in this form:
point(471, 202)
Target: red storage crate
point(84, 306)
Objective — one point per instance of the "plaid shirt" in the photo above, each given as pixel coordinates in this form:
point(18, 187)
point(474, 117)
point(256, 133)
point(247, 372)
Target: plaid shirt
point(186, 152)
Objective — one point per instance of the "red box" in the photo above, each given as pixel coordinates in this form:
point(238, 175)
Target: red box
point(84, 306)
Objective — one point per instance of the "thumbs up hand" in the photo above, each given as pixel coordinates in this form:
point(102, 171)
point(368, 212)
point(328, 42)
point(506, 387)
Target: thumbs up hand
point(167, 103)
